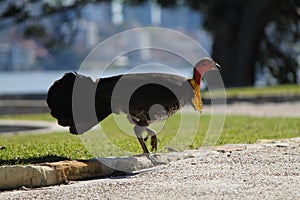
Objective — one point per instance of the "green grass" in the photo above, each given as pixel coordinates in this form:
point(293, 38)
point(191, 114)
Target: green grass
point(280, 90)
point(22, 149)
point(29, 148)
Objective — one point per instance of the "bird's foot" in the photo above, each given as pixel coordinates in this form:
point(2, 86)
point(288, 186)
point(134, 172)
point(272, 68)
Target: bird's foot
point(153, 160)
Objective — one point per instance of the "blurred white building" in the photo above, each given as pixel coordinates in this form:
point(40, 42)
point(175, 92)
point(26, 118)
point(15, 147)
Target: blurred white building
point(97, 22)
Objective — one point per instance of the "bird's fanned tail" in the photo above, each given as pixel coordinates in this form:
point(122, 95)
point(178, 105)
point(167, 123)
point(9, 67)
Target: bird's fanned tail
point(72, 96)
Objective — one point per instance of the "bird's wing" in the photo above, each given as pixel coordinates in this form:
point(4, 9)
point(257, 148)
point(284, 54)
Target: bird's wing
point(141, 91)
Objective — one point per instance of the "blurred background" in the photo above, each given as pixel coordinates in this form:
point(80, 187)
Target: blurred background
point(255, 42)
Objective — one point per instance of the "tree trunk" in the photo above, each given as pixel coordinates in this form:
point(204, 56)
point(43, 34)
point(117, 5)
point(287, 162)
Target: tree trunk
point(236, 44)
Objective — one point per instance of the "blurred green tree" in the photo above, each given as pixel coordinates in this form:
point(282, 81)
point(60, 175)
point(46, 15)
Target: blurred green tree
point(247, 33)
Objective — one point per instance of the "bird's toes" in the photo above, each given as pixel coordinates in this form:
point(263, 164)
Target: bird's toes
point(154, 161)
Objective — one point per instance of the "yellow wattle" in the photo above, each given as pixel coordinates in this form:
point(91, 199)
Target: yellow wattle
point(197, 102)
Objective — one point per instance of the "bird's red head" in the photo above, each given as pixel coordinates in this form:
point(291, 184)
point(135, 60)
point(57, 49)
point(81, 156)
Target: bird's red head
point(204, 65)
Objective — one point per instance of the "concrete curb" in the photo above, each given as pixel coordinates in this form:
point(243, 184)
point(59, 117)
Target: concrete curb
point(47, 174)
point(54, 173)
point(12, 177)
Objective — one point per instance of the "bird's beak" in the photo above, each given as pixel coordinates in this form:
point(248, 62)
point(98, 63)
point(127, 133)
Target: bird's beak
point(218, 66)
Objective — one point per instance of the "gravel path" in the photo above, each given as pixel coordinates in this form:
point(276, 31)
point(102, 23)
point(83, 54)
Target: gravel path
point(260, 171)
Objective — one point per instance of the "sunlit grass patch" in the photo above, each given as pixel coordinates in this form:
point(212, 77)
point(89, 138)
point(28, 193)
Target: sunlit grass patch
point(252, 92)
point(27, 148)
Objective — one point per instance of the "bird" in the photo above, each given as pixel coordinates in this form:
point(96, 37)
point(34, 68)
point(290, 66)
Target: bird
point(80, 103)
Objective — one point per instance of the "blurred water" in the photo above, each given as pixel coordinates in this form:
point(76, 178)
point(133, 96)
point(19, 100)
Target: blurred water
point(23, 82)
point(38, 82)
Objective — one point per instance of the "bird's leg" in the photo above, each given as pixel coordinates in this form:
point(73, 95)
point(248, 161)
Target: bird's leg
point(151, 133)
point(138, 130)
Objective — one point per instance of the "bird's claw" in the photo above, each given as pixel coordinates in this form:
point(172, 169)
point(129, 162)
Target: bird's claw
point(153, 160)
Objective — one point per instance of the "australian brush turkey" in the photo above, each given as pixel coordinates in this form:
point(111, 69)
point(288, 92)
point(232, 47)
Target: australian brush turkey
point(152, 97)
